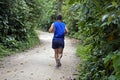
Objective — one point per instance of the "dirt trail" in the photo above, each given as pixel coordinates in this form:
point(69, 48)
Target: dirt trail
point(39, 64)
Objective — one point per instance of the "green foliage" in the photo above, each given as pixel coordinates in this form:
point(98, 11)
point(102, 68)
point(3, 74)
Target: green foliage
point(116, 64)
point(18, 21)
point(83, 51)
point(71, 18)
point(48, 14)
point(98, 21)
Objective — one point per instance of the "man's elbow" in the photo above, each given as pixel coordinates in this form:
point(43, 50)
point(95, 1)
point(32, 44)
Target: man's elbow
point(67, 31)
point(50, 31)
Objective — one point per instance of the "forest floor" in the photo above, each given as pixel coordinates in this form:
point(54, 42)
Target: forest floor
point(38, 63)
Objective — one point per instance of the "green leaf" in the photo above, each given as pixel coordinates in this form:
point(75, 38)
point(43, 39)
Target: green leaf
point(71, 1)
point(107, 60)
point(109, 6)
point(110, 19)
point(116, 63)
point(112, 77)
point(114, 4)
point(104, 24)
point(105, 17)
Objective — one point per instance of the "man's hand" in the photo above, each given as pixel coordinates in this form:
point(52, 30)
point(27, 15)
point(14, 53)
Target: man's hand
point(51, 28)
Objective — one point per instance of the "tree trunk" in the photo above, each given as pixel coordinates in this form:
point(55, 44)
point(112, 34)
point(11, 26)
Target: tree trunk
point(60, 6)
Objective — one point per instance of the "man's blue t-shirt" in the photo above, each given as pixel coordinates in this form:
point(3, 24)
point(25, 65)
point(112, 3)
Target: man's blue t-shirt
point(59, 30)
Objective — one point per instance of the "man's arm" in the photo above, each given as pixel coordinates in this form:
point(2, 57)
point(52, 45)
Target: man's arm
point(66, 30)
point(51, 28)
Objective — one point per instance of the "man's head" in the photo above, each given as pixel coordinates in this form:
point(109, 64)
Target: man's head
point(59, 17)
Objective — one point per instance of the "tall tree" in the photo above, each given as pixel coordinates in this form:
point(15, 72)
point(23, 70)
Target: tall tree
point(60, 6)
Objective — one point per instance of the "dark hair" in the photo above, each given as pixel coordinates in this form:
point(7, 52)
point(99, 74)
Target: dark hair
point(59, 17)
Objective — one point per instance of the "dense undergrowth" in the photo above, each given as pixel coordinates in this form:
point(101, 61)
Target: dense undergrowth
point(97, 24)
point(18, 21)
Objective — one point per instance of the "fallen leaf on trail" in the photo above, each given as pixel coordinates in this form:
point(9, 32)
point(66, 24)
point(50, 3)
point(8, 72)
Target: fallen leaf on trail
point(21, 63)
point(1, 64)
point(8, 71)
point(37, 51)
point(31, 73)
point(22, 71)
point(2, 67)
point(60, 77)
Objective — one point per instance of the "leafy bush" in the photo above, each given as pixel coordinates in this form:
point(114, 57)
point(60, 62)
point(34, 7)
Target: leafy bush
point(18, 21)
point(98, 21)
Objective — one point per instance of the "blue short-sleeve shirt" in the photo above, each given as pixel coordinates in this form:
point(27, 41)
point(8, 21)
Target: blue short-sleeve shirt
point(59, 29)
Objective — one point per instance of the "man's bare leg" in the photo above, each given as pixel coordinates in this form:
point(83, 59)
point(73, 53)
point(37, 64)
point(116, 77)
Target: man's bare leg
point(60, 53)
point(56, 55)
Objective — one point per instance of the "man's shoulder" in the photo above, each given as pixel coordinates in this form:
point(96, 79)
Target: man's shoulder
point(56, 22)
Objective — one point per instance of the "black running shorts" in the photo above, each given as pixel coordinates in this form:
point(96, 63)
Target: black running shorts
point(57, 43)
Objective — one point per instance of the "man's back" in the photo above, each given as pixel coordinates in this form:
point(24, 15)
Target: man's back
point(59, 29)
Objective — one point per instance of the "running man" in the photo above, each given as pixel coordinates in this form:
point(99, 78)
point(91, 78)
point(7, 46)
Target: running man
point(59, 28)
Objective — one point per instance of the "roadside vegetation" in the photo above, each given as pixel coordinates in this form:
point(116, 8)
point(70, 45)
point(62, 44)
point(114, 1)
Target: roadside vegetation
point(18, 21)
point(97, 24)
